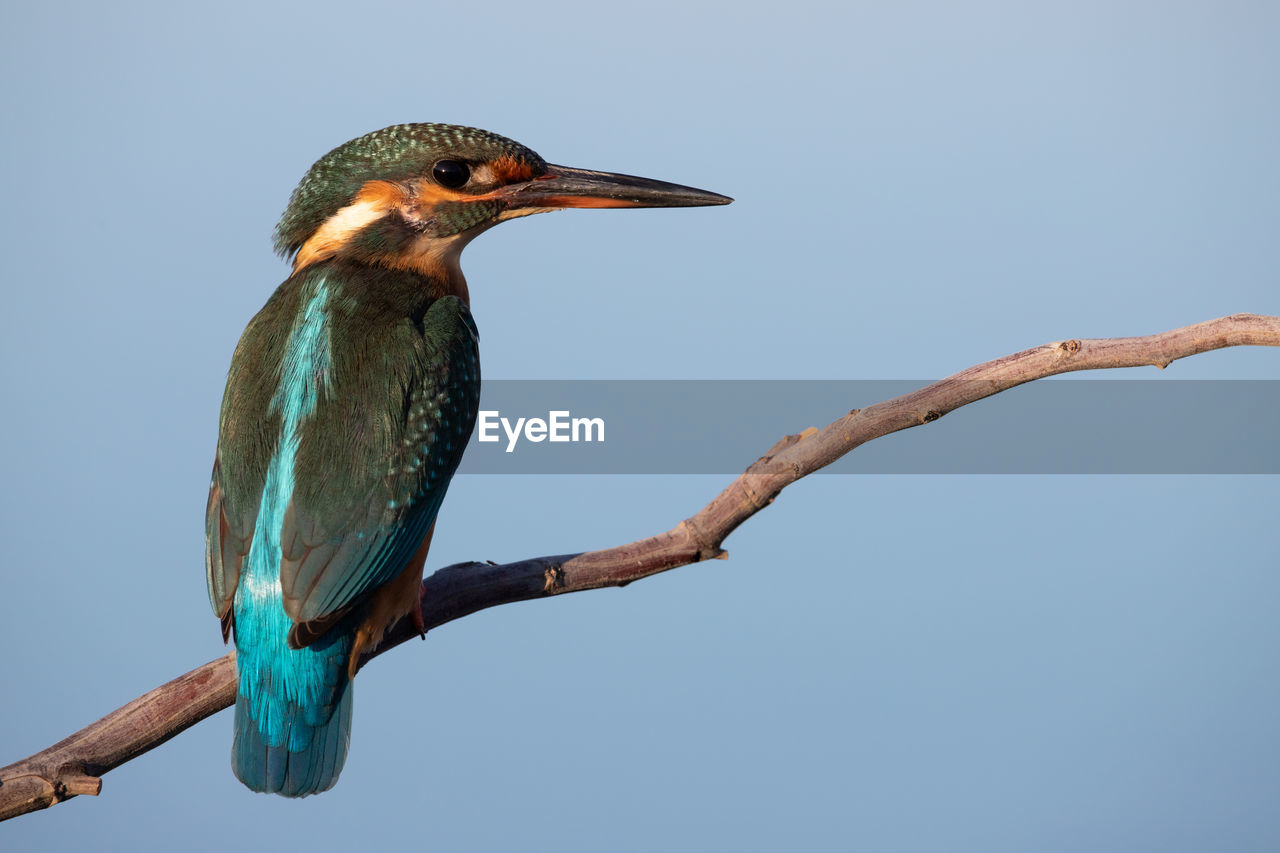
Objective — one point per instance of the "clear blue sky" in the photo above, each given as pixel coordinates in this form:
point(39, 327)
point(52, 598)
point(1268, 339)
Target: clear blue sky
point(886, 663)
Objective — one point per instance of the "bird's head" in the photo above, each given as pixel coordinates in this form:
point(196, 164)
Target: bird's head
point(412, 196)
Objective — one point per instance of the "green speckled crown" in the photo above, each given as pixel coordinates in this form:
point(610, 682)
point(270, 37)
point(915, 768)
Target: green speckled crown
point(394, 153)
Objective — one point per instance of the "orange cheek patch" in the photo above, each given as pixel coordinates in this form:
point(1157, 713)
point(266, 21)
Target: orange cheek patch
point(382, 193)
point(427, 195)
point(508, 169)
point(374, 201)
point(419, 198)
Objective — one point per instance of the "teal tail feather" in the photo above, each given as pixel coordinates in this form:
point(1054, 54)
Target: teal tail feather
point(293, 707)
point(293, 772)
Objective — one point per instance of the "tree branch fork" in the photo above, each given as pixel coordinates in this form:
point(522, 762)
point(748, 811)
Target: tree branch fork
point(74, 765)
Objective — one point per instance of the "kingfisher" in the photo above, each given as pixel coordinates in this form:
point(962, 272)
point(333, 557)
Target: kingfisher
point(349, 401)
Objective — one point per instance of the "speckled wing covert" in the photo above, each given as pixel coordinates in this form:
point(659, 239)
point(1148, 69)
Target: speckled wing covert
point(372, 465)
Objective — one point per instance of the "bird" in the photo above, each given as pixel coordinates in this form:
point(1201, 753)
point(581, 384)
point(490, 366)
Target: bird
point(349, 400)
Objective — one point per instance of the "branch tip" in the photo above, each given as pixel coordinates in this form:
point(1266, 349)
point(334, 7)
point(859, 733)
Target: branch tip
point(78, 784)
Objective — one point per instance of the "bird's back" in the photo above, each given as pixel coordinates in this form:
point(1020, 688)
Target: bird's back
point(349, 401)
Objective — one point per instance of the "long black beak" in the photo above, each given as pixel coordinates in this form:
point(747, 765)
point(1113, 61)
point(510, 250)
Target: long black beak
point(563, 186)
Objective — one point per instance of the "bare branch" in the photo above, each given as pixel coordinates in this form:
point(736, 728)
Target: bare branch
point(73, 766)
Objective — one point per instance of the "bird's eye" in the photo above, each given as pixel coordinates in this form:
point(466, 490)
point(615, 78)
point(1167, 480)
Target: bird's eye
point(451, 174)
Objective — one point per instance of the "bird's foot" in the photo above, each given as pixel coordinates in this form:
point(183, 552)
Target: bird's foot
point(419, 624)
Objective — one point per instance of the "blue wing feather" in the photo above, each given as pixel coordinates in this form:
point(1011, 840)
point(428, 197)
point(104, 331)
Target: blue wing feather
point(342, 546)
